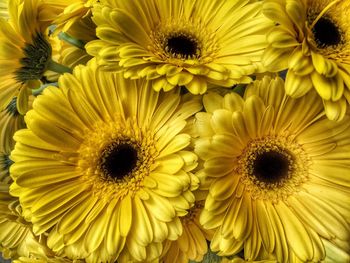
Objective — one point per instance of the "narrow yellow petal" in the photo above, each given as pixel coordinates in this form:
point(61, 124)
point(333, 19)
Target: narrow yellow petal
point(265, 226)
point(125, 215)
point(297, 86)
point(296, 234)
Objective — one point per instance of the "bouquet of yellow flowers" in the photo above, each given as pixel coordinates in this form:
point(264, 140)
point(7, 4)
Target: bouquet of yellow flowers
point(175, 131)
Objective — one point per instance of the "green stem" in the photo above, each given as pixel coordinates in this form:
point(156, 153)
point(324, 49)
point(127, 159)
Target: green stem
point(56, 67)
point(240, 88)
point(71, 40)
point(38, 91)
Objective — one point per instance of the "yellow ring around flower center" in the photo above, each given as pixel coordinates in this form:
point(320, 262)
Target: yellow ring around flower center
point(178, 41)
point(285, 161)
point(100, 141)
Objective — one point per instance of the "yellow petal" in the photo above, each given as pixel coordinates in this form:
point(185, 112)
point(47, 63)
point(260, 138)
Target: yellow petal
point(62, 114)
point(226, 145)
point(296, 234)
point(57, 199)
point(125, 215)
point(324, 86)
point(50, 133)
point(222, 122)
point(210, 221)
point(219, 166)
point(244, 221)
point(181, 79)
point(22, 100)
point(177, 144)
point(276, 59)
point(43, 174)
point(265, 226)
point(223, 188)
point(252, 244)
point(197, 85)
point(297, 86)
point(130, 26)
point(170, 185)
point(141, 227)
point(296, 11)
point(335, 110)
point(168, 134)
point(281, 245)
point(212, 101)
point(83, 109)
point(167, 69)
point(323, 65)
point(338, 90)
point(253, 110)
point(299, 63)
point(160, 207)
point(115, 242)
point(275, 10)
point(164, 111)
point(279, 38)
point(71, 220)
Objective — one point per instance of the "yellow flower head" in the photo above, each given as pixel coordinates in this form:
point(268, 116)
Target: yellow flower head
point(24, 53)
point(312, 40)
point(45, 259)
point(192, 244)
point(278, 169)
point(70, 16)
point(16, 236)
point(17, 240)
point(103, 166)
point(238, 259)
point(181, 42)
point(72, 13)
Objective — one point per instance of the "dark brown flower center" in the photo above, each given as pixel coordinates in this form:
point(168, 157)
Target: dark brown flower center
point(119, 160)
point(271, 166)
point(326, 33)
point(182, 45)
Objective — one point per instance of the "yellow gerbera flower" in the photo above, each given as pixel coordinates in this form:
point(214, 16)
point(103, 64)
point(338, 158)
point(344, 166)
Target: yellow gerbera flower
point(17, 240)
point(70, 16)
point(181, 42)
point(16, 237)
point(43, 259)
point(24, 53)
point(74, 11)
point(237, 259)
point(312, 40)
point(192, 244)
point(103, 166)
point(278, 171)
